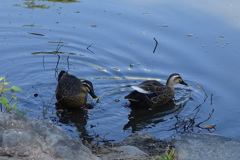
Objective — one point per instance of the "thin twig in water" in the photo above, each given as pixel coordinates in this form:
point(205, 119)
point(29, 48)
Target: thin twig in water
point(188, 124)
point(156, 44)
point(211, 99)
point(210, 115)
point(43, 63)
point(206, 97)
point(45, 106)
point(56, 69)
point(60, 44)
point(41, 100)
point(68, 62)
point(89, 47)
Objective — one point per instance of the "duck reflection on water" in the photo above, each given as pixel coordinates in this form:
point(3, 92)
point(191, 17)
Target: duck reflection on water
point(141, 118)
point(77, 117)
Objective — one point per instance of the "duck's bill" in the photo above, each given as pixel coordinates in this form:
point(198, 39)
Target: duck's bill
point(184, 83)
point(93, 95)
point(96, 99)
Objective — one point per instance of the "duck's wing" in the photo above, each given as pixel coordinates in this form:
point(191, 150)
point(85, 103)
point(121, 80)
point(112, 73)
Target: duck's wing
point(135, 96)
point(150, 83)
point(164, 94)
point(160, 90)
point(147, 87)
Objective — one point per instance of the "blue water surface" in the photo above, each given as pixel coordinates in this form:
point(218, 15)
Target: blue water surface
point(112, 44)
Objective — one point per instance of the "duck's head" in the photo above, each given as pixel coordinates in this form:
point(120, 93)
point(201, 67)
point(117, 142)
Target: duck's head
point(88, 87)
point(175, 78)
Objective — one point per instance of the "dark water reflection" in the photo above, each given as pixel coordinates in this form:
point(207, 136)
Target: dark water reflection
point(111, 44)
point(77, 118)
point(140, 118)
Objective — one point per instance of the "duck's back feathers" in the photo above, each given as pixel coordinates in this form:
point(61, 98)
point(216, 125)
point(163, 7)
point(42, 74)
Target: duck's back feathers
point(72, 92)
point(68, 85)
point(147, 87)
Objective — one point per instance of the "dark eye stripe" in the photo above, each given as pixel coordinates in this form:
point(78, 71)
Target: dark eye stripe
point(88, 87)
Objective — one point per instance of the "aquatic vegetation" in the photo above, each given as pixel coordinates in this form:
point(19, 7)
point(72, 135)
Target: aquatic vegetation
point(168, 155)
point(8, 97)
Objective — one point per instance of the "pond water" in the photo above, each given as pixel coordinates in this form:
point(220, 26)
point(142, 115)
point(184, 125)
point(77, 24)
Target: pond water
point(112, 44)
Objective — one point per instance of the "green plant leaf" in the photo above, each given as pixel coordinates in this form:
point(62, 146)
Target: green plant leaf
point(5, 83)
point(4, 101)
point(16, 88)
point(2, 78)
point(14, 105)
point(19, 112)
point(6, 89)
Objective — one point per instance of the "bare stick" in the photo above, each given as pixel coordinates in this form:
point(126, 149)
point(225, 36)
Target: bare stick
point(43, 63)
point(206, 97)
point(211, 99)
point(68, 62)
point(210, 115)
point(41, 100)
point(89, 47)
point(60, 44)
point(156, 44)
point(57, 50)
point(56, 69)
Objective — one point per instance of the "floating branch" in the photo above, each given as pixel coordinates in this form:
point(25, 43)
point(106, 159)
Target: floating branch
point(210, 115)
point(56, 69)
point(188, 124)
point(45, 106)
point(206, 97)
point(43, 63)
point(89, 47)
point(156, 44)
point(68, 62)
point(211, 99)
point(60, 44)
point(43, 102)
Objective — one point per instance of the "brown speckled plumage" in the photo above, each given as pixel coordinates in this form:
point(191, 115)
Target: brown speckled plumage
point(72, 92)
point(152, 93)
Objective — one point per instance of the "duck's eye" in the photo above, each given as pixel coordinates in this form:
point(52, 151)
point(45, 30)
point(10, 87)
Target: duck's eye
point(177, 79)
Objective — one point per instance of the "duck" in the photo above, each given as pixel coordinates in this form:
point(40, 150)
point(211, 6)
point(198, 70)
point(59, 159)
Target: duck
point(152, 93)
point(72, 92)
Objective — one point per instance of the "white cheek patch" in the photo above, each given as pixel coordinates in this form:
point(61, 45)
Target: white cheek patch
point(140, 90)
point(176, 77)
